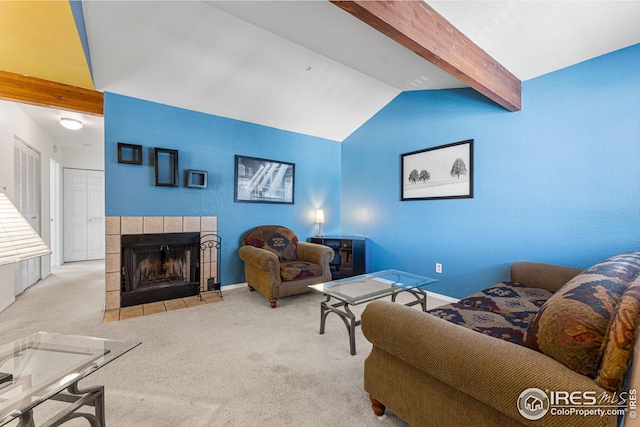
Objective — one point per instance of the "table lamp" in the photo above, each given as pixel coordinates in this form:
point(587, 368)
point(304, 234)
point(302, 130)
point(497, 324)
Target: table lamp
point(319, 220)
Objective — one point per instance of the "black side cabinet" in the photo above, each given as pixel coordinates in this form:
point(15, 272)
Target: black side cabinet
point(349, 255)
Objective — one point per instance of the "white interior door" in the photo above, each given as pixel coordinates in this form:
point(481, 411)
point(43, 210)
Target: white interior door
point(54, 211)
point(83, 215)
point(95, 214)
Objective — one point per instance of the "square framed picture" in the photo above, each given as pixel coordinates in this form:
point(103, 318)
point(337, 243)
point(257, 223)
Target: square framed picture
point(264, 181)
point(443, 172)
point(196, 178)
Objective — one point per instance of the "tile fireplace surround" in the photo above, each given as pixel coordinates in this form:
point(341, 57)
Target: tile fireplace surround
point(116, 226)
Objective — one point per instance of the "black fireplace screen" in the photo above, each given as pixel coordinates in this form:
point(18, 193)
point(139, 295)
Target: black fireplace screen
point(157, 265)
point(165, 265)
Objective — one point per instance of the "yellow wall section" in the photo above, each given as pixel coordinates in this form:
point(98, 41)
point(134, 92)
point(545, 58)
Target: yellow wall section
point(40, 39)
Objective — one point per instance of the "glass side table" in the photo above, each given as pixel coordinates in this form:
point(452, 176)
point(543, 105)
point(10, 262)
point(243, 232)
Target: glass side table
point(368, 287)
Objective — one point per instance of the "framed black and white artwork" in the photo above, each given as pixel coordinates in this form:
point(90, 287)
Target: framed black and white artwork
point(443, 172)
point(264, 181)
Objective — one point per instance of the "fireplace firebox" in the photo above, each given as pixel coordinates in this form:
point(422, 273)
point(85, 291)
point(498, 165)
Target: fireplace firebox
point(157, 267)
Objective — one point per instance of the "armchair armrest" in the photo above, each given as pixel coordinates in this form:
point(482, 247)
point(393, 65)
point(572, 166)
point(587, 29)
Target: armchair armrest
point(259, 258)
point(488, 369)
point(315, 253)
point(545, 276)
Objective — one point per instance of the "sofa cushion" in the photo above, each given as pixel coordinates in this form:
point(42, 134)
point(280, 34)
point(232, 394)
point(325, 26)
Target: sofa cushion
point(279, 240)
point(621, 339)
point(292, 270)
point(505, 327)
point(509, 298)
point(572, 325)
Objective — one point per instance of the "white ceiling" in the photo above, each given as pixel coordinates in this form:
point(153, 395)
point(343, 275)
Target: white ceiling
point(309, 67)
point(89, 138)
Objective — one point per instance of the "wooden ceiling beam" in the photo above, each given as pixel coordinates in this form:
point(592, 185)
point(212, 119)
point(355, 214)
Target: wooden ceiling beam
point(45, 93)
point(418, 27)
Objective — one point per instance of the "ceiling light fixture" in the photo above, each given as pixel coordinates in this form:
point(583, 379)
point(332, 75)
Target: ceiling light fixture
point(72, 124)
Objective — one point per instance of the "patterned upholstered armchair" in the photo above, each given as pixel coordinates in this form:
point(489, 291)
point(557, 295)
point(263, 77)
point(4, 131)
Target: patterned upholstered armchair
point(277, 264)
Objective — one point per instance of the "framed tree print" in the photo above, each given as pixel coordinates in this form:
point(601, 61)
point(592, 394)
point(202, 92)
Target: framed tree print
point(443, 172)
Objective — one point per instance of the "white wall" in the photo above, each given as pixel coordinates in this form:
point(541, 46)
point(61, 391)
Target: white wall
point(14, 122)
point(83, 159)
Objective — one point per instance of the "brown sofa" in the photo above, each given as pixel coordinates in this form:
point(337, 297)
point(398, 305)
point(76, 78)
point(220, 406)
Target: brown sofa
point(431, 371)
point(277, 265)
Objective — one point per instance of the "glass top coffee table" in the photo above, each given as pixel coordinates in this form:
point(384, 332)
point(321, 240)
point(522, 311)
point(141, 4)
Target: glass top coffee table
point(368, 287)
point(41, 366)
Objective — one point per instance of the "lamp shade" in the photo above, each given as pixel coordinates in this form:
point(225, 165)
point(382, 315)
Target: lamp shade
point(18, 240)
point(319, 216)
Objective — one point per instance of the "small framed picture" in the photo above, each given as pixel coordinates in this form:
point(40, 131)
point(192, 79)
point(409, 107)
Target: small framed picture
point(443, 172)
point(166, 167)
point(196, 179)
point(129, 153)
point(264, 181)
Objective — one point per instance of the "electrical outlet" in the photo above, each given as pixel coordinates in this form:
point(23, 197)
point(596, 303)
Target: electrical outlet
point(438, 267)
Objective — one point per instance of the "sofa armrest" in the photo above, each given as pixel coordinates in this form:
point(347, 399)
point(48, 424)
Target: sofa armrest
point(488, 369)
point(258, 258)
point(315, 253)
point(545, 276)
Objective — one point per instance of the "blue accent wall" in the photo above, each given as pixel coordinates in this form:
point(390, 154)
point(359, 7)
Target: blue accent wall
point(557, 182)
point(207, 142)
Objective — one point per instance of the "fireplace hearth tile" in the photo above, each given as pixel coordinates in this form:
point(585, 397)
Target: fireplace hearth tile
point(193, 301)
point(153, 225)
point(112, 244)
point(111, 316)
point(116, 227)
point(191, 224)
point(153, 308)
point(112, 300)
point(175, 304)
point(131, 225)
point(173, 224)
point(131, 312)
point(112, 263)
point(112, 225)
point(112, 281)
point(209, 223)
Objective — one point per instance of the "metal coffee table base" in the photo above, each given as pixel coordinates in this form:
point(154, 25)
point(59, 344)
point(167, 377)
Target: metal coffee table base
point(342, 309)
point(93, 396)
point(346, 315)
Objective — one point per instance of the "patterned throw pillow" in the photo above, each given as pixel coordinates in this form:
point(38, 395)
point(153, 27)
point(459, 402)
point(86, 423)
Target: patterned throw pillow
point(279, 240)
point(622, 336)
point(572, 326)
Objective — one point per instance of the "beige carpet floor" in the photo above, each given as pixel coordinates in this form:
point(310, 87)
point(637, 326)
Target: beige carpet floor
point(233, 363)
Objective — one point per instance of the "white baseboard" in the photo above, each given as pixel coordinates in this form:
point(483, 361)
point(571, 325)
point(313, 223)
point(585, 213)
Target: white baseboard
point(235, 286)
point(6, 304)
point(435, 300)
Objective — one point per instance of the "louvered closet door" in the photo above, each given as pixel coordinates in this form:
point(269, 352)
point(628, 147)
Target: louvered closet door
point(26, 162)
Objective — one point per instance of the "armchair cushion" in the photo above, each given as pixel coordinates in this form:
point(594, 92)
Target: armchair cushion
point(572, 326)
point(279, 240)
point(292, 270)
